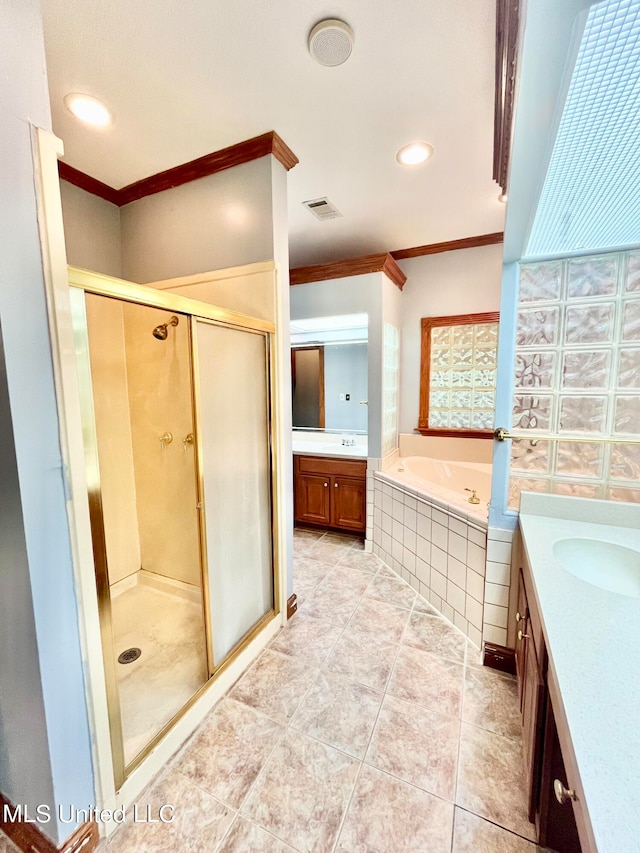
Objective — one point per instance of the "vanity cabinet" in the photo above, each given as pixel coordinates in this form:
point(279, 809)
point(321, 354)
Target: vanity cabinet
point(531, 666)
point(555, 822)
point(330, 492)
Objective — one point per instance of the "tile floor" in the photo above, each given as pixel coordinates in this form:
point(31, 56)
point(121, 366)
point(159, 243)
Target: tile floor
point(367, 725)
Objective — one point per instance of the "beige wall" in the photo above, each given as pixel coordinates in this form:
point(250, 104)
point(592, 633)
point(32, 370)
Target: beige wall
point(463, 282)
point(142, 389)
point(454, 449)
point(249, 289)
point(159, 379)
point(115, 452)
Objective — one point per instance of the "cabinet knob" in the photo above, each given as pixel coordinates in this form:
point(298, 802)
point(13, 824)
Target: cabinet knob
point(522, 636)
point(325, 485)
point(335, 485)
point(563, 795)
point(518, 617)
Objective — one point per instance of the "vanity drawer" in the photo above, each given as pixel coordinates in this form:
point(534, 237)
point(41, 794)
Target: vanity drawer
point(332, 466)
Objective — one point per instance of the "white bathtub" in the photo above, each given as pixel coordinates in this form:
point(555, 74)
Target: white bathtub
point(445, 481)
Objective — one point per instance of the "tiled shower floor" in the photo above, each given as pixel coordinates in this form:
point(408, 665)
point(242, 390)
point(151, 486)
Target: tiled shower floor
point(367, 725)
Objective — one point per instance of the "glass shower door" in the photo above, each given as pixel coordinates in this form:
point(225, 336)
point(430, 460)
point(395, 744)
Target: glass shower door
point(136, 378)
point(234, 434)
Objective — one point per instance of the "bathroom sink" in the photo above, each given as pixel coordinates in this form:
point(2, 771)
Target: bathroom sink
point(603, 564)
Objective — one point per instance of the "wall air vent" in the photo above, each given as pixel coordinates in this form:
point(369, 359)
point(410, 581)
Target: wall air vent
point(322, 208)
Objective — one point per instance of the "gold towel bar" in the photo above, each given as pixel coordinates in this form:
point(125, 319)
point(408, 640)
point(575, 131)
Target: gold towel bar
point(503, 434)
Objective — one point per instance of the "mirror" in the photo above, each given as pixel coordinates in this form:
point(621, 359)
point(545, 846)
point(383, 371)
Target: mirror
point(329, 373)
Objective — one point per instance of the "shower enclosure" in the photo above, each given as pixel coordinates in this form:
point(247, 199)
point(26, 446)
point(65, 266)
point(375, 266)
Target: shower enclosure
point(177, 425)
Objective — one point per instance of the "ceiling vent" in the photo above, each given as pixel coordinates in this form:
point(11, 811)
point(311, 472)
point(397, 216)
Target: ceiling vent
point(322, 208)
point(331, 42)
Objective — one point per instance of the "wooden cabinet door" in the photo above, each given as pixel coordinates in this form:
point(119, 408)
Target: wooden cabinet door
point(521, 644)
point(557, 822)
point(349, 503)
point(533, 713)
point(313, 498)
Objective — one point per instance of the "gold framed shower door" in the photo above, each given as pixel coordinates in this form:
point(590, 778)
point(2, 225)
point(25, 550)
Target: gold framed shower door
point(195, 310)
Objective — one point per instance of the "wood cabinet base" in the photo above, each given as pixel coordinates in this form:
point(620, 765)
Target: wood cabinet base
point(555, 822)
point(330, 493)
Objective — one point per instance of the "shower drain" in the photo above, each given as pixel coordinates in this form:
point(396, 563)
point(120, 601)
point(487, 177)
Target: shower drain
point(129, 655)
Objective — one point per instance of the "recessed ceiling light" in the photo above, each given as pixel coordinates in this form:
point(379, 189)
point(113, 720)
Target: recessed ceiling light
point(88, 109)
point(414, 153)
point(503, 198)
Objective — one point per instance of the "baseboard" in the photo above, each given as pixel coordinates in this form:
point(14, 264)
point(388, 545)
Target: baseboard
point(499, 657)
point(25, 833)
point(292, 605)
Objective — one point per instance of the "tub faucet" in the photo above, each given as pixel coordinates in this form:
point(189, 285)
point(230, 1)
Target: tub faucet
point(474, 499)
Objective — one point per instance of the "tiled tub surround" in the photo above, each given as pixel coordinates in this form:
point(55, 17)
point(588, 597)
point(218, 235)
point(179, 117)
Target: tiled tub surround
point(367, 725)
point(437, 549)
point(447, 482)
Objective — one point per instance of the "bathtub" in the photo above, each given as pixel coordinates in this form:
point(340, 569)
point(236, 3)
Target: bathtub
point(445, 482)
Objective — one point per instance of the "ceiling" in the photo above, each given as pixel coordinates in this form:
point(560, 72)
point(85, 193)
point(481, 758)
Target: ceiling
point(184, 79)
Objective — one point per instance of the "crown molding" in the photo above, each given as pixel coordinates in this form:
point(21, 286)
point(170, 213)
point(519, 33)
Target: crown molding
point(202, 167)
point(381, 262)
point(507, 30)
point(449, 246)
point(86, 182)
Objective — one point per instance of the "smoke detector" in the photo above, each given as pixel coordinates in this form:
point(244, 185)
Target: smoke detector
point(322, 208)
point(331, 42)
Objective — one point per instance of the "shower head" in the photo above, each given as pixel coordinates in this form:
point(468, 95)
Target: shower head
point(161, 332)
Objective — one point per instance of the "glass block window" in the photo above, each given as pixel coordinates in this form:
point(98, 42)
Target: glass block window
point(390, 385)
point(458, 374)
point(577, 372)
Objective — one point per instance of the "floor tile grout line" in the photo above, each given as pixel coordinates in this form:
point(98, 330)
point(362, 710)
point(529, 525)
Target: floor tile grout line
point(259, 826)
point(227, 833)
point(411, 784)
point(259, 775)
point(348, 806)
point(364, 755)
point(457, 779)
point(534, 844)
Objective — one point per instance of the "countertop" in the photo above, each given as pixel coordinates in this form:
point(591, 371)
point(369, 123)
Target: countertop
point(592, 643)
point(318, 448)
